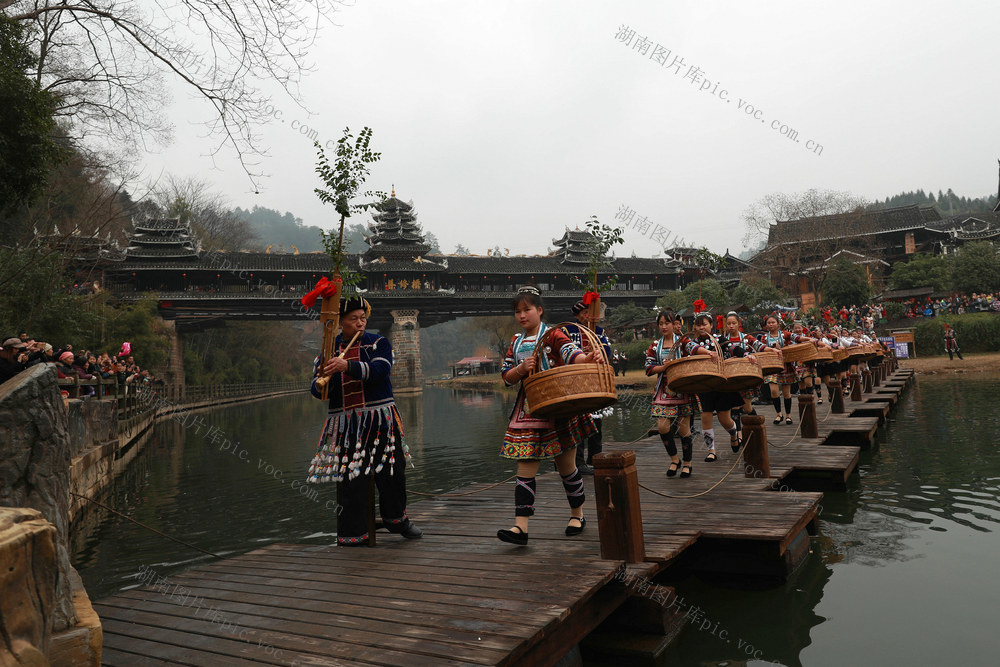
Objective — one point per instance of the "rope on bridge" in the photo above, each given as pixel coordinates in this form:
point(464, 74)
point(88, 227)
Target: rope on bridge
point(142, 525)
point(700, 493)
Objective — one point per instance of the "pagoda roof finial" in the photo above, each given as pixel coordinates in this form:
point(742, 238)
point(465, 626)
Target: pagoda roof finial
point(393, 190)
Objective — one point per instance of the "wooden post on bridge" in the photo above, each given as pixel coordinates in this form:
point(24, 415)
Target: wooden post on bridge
point(836, 397)
point(807, 416)
point(619, 516)
point(755, 447)
point(866, 381)
point(855, 387)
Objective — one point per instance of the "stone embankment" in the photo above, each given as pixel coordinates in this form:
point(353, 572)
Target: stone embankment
point(45, 614)
point(54, 455)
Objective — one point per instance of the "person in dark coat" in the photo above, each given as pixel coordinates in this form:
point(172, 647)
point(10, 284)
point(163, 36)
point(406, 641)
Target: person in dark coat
point(363, 433)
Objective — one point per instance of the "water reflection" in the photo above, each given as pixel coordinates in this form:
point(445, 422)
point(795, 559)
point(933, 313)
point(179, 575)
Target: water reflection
point(934, 473)
point(897, 563)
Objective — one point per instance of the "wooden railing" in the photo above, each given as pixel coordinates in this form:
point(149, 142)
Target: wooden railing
point(135, 401)
point(207, 392)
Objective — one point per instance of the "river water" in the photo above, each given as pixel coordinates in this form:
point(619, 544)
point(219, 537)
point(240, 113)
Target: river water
point(900, 573)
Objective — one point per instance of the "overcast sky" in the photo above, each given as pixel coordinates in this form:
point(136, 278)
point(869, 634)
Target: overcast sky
point(505, 122)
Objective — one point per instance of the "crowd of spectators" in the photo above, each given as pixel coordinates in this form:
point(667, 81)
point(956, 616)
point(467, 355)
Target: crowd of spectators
point(958, 304)
point(22, 352)
point(863, 317)
point(868, 315)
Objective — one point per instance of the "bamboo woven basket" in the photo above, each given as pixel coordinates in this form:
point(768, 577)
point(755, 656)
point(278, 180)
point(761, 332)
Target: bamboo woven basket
point(568, 391)
point(770, 362)
point(741, 373)
point(694, 375)
point(798, 353)
point(824, 354)
point(839, 355)
point(856, 354)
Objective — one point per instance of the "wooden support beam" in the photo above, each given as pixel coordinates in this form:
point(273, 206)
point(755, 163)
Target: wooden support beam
point(755, 447)
point(619, 517)
point(837, 397)
point(807, 416)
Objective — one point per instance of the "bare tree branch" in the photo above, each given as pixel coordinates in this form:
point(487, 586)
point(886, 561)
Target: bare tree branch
point(109, 59)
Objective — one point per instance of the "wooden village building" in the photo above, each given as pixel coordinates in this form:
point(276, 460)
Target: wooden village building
point(797, 250)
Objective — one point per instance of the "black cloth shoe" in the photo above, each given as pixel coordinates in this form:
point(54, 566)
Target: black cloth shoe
point(572, 530)
point(585, 469)
point(511, 537)
point(411, 532)
point(407, 529)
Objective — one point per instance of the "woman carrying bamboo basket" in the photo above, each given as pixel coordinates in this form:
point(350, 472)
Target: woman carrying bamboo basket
point(530, 439)
point(673, 410)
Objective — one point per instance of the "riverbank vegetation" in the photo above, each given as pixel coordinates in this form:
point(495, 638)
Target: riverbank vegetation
point(250, 352)
point(976, 332)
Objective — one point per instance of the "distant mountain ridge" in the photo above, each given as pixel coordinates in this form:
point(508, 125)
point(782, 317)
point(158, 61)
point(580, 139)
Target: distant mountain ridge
point(286, 232)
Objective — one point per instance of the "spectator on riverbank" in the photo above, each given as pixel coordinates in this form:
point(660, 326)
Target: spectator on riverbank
point(46, 355)
point(9, 364)
point(64, 366)
point(80, 366)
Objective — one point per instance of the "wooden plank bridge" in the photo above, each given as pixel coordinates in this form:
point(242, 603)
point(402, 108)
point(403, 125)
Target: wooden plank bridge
point(461, 597)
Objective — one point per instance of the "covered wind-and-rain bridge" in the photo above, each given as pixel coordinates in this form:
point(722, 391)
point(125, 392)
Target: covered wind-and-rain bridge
point(408, 285)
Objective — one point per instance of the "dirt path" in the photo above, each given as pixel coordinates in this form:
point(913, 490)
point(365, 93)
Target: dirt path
point(981, 363)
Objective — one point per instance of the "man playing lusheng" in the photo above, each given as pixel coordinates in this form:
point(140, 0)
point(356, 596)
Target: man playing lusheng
point(363, 434)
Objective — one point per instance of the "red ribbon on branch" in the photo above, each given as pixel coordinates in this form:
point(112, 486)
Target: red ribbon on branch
point(324, 288)
point(699, 305)
point(590, 297)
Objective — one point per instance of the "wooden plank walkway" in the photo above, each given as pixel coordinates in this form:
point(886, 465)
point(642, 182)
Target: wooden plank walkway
point(458, 596)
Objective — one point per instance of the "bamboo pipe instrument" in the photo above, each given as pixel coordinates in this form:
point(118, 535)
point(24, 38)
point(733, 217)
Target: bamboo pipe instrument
point(344, 351)
point(323, 380)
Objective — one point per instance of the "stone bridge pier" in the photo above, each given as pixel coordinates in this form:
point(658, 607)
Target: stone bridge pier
point(404, 336)
point(174, 372)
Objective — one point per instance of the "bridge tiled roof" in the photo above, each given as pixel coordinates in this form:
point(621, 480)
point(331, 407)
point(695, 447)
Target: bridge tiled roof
point(457, 264)
point(549, 264)
point(246, 261)
point(433, 264)
point(161, 225)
